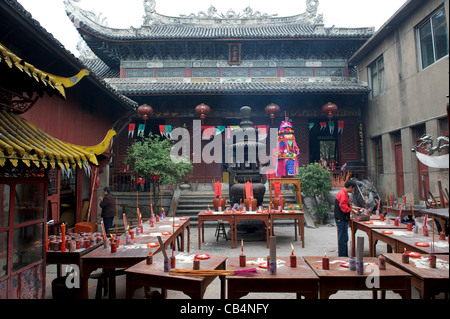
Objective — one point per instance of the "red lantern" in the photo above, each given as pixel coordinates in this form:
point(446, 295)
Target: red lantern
point(145, 111)
point(202, 109)
point(329, 109)
point(272, 109)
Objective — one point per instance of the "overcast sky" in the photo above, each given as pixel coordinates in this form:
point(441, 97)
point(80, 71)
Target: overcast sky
point(123, 14)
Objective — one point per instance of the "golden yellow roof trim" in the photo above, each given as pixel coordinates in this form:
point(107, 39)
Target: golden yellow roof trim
point(56, 82)
point(22, 141)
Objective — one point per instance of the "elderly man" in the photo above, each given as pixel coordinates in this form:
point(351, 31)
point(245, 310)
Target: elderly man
point(107, 204)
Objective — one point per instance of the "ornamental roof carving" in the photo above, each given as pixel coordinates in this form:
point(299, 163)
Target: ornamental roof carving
point(211, 24)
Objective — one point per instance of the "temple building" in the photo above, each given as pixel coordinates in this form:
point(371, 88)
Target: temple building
point(228, 60)
point(56, 127)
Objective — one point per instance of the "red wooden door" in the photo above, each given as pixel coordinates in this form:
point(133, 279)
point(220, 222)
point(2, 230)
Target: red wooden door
point(205, 172)
point(399, 177)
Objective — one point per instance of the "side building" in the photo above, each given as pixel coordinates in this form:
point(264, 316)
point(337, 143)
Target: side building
point(406, 66)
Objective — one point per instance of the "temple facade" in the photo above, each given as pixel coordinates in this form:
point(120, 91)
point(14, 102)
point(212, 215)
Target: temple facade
point(228, 60)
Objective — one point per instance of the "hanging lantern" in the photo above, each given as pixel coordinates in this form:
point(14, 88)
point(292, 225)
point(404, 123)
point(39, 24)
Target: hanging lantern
point(272, 109)
point(145, 111)
point(329, 109)
point(202, 109)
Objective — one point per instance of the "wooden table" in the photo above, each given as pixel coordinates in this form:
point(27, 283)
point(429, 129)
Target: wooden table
point(153, 275)
point(264, 217)
point(299, 220)
point(429, 281)
point(401, 239)
point(300, 280)
point(340, 278)
point(288, 180)
point(440, 246)
point(68, 258)
point(129, 255)
point(441, 215)
point(405, 212)
point(367, 226)
point(205, 216)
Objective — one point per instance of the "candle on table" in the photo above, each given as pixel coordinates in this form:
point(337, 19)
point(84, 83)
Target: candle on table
point(63, 237)
point(405, 257)
point(425, 227)
point(196, 265)
point(125, 222)
point(293, 258)
point(242, 259)
point(149, 258)
point(392, 198)
point(325, 262)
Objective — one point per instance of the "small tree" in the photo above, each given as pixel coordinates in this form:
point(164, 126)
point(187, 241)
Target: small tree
point(151, 156)
point(316, 183)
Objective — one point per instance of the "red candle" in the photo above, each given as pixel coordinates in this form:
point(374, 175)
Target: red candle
point(405, 257)
point(392, 198)
point(409, 227)
point(63, 237)
point(293, 258)
point(404, 199)
point(113, 246)
point(325, 262)
point(242, 260)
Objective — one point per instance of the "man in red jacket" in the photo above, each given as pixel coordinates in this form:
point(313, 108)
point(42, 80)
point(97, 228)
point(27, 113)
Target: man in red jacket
point(342, 212)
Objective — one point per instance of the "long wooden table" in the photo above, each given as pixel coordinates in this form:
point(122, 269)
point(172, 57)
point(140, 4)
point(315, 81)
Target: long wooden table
point(400, 240)
point(234, 218)
point(129, 255)
point(341, 278)
point(429, 281)
point(441, 214)
point(299, 221)
point(153, 275)
point(368, 226)
point(216, 216)
point(253, 215)
point(300, 280)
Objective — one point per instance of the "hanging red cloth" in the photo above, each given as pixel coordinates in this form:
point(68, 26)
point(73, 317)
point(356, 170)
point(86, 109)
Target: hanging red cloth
point(248, 190)
point(277, 188)
point(218, 190)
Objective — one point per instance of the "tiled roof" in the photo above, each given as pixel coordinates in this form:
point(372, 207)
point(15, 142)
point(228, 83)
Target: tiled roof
point(185, 28)
point(143, 87)
point(21, 141)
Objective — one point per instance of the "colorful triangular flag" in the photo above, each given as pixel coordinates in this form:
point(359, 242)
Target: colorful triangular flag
point(141, 129)
point(331, 127)
point(340, 127)
point(131, 128)
point(323, 125)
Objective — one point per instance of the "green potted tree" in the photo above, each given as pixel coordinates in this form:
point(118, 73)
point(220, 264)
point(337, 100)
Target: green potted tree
point(150, 156)
point(315, 183)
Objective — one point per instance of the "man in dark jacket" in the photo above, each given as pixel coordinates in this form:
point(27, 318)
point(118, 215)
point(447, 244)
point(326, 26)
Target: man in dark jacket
point(108, 208)
point(342, 211)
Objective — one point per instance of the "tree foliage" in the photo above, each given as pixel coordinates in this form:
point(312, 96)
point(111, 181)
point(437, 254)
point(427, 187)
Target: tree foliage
point(151, 156)
point(316, 183)
point(315, 179)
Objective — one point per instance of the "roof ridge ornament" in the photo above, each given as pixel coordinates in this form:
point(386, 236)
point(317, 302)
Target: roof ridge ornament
point(248, 16)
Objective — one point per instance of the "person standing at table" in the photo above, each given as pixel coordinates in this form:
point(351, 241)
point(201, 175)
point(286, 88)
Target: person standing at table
point(342, 211)
point(107, 204)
